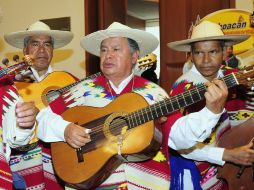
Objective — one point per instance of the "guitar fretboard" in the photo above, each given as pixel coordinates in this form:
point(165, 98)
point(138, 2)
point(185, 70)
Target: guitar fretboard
point(172, 104)
point(64, 89)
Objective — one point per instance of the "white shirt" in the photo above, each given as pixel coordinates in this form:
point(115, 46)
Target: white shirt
point(13, 136)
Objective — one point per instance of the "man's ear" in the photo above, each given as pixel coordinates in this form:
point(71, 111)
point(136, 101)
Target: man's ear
point(135, 57)
point(24, 51)
point(190, 57)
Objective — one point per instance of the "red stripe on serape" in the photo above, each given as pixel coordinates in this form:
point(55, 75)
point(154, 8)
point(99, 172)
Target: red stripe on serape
point(5, 171)
point(220, 185)
point(139, 186)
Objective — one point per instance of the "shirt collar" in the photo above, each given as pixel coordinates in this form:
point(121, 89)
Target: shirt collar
point(122, 85)
point(40, 78)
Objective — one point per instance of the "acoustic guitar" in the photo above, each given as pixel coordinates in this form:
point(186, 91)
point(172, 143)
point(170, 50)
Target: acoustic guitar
point(37, 91)
point(47, 90)
point(123, 131)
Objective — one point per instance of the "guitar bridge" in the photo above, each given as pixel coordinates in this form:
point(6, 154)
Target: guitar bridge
point(79, 154)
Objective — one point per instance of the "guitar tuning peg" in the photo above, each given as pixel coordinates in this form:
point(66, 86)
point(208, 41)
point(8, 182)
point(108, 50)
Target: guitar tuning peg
point(28, 58)
point(16, 58)
point(5, 61)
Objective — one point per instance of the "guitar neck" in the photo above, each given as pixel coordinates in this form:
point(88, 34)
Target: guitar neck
point(12, 69)
point(64, 89)
point(174, 103)
point(6, 71)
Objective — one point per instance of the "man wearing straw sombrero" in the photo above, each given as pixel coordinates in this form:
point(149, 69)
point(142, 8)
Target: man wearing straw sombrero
point(119, 47)
point(38, 41)
point(206, 45)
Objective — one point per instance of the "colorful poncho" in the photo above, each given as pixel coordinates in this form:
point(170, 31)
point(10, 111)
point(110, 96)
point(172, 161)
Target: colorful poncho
point(9, 97)
point(208, 171)
point(149, 175)
point(35, 166)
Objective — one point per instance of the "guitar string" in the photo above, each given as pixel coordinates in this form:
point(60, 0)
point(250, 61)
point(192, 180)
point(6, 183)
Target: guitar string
point(116, 124)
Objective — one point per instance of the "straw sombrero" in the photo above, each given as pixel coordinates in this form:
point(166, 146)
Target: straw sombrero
point(61, 38)
point(205, 31)
point(147, 42)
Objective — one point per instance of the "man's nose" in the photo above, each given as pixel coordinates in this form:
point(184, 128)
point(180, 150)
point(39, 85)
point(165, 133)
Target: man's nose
point(41, 47)
point(109, 54)
point(206, 57)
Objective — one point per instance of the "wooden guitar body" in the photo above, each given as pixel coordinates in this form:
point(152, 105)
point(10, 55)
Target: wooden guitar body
point(37, 91)
point(237, 136)
point(103, 154)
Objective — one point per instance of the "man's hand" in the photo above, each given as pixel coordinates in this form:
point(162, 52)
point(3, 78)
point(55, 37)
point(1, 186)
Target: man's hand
point(26, 114)
point(243, 155)
point(216, 95)
point(161, 120)
point(76, 136)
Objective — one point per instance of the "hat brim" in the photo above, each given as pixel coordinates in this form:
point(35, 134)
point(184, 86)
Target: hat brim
point(61, 38)
point(146, 41)
point(185, 45)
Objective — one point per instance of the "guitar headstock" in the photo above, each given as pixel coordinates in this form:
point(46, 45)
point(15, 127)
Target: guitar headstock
point(246, 76)
point(16, 68)
point(147, 61)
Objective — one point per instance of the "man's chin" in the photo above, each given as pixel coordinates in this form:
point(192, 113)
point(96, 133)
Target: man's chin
point(41, 66)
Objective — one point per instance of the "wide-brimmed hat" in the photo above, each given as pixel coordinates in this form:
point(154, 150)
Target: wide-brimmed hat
point(205, 31)
point(61, 38)
point(146, 41)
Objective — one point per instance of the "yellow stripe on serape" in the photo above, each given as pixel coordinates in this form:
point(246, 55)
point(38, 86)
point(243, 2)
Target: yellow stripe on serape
point(5, 173)
point(152, 184)
point(1, 133)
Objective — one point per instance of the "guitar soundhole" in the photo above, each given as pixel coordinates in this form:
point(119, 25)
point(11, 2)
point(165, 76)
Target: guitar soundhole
point(118, 126)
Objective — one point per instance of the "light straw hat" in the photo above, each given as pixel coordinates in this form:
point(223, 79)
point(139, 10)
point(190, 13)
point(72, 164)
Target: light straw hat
point(146, 41)
point(205, 31)
point(61, 38)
